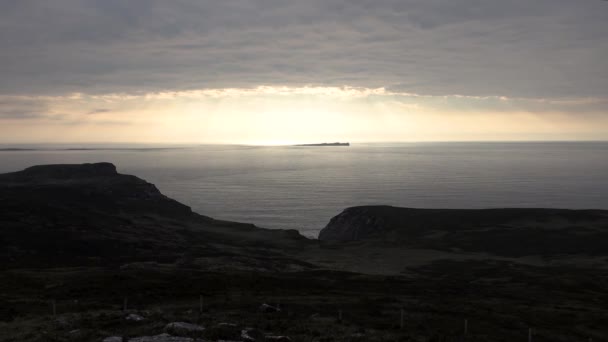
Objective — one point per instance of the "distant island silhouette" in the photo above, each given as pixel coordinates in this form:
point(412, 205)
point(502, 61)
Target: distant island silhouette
point(327, 144)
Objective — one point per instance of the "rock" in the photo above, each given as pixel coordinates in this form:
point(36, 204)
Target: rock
point(224, 331)
point(277, 338)
point(75, 335)
point(134, 318)
point(252, 335)
point(161, 338)
point(265, 308)
point(63, 322)
point(112, 339)
point(357, 337)
point(184, 329)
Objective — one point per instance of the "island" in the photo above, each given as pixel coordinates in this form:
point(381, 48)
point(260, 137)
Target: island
point(326, 144)
point(90, 254)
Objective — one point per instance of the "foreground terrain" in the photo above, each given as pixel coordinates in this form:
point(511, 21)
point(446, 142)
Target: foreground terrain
point(87, 253)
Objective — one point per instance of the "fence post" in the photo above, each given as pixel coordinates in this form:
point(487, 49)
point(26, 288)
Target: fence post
point(124, 304)
point(466, 326)
point(340, 315)
point(402, 316)
point(54, 307)
point(200, 303)
point(529, 334)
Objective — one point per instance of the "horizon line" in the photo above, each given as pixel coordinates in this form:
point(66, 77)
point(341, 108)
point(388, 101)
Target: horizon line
point(191, 144)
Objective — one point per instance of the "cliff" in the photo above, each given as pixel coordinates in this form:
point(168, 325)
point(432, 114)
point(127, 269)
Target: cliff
point(86, 186)
point(508, 232)
point(89, 214)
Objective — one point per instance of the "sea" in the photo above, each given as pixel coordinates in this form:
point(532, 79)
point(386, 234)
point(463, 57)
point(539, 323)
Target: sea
point(297, 187)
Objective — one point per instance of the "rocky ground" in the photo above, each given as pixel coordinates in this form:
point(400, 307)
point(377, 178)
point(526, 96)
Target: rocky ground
point(500, 303)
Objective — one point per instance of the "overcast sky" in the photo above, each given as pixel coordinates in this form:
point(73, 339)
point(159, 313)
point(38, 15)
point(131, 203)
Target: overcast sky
point(256, 71)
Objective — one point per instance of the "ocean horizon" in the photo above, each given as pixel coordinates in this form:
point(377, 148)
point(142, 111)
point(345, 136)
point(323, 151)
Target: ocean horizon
point(299, 187)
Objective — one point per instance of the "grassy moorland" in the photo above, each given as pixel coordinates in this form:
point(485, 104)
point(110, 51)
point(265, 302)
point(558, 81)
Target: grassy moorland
point(80, 242)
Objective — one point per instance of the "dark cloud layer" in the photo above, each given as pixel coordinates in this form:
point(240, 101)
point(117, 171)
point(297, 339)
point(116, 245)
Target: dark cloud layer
point(13, 109)
point(522, 48)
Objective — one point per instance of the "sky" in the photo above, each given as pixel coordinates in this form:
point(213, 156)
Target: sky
point(286, 71)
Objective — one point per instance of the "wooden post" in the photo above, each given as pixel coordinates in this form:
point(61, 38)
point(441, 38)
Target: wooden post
point(54, 307)
point(200, 303)
point(402, 317)
point(340, 315)
point(529, 334)
point(124, 304)
point(466, 326)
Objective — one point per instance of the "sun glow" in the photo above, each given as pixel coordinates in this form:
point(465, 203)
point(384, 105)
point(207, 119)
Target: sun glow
point(287, 116)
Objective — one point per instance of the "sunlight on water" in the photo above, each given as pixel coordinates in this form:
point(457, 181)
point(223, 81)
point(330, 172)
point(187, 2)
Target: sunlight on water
point(303, 187)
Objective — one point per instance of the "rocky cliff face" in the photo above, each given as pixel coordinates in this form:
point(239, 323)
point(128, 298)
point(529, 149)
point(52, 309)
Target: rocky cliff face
point(508, 232)
point(55, 215)
point(356, 223)
point(97, 186)
point(65, 171)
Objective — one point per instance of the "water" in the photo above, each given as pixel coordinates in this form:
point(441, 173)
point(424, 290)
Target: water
point(303, 187)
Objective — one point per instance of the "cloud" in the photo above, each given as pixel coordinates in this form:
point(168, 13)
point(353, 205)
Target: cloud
point(518, 48)
point(290, 114)
point(22, 109)
point(99, 111)
point(122, 107)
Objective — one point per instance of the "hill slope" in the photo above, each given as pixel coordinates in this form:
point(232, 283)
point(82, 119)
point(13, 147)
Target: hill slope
point(371, 263)
point(89, 214)
point(506, 232)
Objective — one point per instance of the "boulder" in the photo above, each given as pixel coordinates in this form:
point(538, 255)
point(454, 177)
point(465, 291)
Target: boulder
point(224, 331)
point(252, 335)
point(113, 339)
point(134, 318)
point(64, 322)
point(265, 308)
point(184, 329)
point(356, 337)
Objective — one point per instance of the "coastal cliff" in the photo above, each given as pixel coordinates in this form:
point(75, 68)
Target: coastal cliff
point(89, 214)
point(507, 232)
point(95, 186)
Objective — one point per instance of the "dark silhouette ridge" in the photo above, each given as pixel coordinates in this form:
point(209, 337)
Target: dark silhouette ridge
point(509, 231)
point(70, 171)
point(85, 214)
